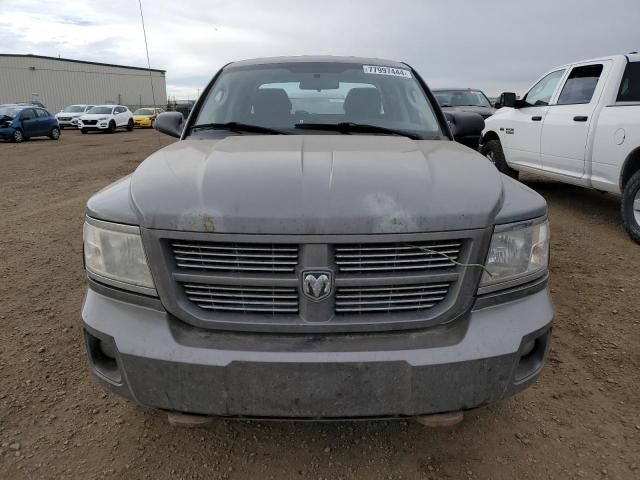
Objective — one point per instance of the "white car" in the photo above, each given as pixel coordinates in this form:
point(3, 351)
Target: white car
point(107, 118)
point(578, 124)
point(68, 116)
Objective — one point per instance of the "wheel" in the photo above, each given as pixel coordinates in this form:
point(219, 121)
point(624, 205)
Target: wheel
point(18, 136)
point(130, 125)
point(84, 131)
point(631, 207)
point(54, 134)
point(112, 127)
point(493, 151)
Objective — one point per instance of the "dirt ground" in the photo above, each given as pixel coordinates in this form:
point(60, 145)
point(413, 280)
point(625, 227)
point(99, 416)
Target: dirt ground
point(581, 420)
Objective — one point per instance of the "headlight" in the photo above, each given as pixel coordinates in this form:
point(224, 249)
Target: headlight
point(102, 118)
point(518, 253)
point(113, 254)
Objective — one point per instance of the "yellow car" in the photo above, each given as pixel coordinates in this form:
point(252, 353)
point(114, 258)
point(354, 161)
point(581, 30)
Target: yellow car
point(144, 117)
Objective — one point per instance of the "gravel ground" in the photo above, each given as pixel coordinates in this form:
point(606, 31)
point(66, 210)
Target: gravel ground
point(581, 420)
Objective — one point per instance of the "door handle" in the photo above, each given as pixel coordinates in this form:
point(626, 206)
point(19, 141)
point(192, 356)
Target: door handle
point(536, 118)
point(580, 118)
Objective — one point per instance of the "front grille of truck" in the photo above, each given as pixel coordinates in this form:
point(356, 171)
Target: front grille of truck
point(396, 257)
point(243, 298)
point(89, 122)
point(257, 282)
point(390, 299)
point(235, 257)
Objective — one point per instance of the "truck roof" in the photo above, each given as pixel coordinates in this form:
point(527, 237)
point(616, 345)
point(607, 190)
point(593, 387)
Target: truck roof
point(318, 59)
point(632, 57)
point(455, 89)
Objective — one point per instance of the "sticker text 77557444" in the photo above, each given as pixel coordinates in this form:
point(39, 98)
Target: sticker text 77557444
point(382, 70)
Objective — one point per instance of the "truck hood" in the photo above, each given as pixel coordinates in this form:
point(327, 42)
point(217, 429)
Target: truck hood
point(484, 112)
point(70, 114)
point(95, 116)
point(315, 184)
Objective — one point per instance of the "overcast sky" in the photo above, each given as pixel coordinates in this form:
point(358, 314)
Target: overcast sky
point(494, 45)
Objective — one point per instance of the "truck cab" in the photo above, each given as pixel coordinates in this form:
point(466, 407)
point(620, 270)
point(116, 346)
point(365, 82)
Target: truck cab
point(579, 124)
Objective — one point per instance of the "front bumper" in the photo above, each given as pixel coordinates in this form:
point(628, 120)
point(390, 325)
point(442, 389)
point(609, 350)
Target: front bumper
point(161, 362)
point(98, 126)
point(6, 133)
point(68, 123)
point(143, 122)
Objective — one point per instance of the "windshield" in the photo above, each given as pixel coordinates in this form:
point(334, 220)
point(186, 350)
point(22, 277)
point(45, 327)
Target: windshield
point(74, 109)
point(283, 96)
point(144, 111)
point(100, 110)
point(10, 112)
point(461, 98)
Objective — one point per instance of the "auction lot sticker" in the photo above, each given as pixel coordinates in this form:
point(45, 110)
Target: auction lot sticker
point(381, 70)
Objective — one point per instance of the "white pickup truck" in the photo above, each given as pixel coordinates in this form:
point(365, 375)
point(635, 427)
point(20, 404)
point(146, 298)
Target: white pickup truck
point(579, 124)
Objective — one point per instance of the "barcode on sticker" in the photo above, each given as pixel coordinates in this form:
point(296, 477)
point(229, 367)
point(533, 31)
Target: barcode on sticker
point(381, 70)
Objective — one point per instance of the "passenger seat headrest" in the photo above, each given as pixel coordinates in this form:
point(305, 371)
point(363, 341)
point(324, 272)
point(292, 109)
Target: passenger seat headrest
point(363, 102)
point(271, 101)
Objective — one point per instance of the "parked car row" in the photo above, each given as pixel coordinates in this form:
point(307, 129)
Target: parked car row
point(21, 121)
point(107, 117)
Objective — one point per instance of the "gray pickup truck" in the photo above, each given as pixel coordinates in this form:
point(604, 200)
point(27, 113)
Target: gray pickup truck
point(316, 246)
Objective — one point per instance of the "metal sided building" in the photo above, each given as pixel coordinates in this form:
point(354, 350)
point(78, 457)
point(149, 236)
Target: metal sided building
point(58, 82)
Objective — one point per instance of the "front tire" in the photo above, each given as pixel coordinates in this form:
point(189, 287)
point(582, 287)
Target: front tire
point(112, 127)
point(493, 151)
point(630, 207)
point(84, 131)
point(130, 125)
point(17, 137)
point(54, 134)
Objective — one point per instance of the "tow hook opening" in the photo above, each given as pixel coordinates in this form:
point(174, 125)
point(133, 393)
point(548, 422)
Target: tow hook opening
point(532, 352)
point(441, 420)
point(103, 357)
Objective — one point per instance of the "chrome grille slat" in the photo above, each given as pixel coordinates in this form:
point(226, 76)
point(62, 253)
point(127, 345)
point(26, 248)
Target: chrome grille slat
point(213, 246)
point(388, 299)
point(245, 288)
point(400, 247)
point(397, 257)
point(193, 294)
point(235, 257)
point(230, 268)
point(381, 255)
point(410, 260)
point(244, 255)
point(392, 268)
point(246, 299)
point(393, 287)
point(392, 295)
point(395, 302)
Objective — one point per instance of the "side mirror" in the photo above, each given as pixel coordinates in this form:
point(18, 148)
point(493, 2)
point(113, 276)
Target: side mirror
point(506, 99)
point(465, 124)
point(170, 123)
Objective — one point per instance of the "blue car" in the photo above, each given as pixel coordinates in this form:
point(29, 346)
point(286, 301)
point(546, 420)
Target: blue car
point(20, 122)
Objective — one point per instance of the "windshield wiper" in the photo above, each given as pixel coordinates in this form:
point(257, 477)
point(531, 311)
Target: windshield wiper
point(238, 128)
point(350, 127)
